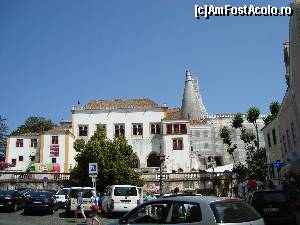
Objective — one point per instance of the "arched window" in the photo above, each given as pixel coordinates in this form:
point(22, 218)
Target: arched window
point(153, 160)
point(180, 170)
point(137, 163)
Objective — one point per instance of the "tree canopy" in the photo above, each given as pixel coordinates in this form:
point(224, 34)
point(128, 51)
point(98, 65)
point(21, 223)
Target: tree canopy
point(116, 161)
point(34, 124)
point(274, 108)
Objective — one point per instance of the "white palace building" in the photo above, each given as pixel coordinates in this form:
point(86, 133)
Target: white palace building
point(187, 137)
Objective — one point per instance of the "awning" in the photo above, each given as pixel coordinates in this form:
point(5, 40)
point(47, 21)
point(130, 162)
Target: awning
point(221, 169)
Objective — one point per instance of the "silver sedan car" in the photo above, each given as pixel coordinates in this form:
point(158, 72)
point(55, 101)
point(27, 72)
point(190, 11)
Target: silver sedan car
point(196, 210)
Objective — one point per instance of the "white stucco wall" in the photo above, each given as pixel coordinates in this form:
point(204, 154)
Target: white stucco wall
point(176, 159)
point(25, 151)
point(60, 159)
point(142, 145)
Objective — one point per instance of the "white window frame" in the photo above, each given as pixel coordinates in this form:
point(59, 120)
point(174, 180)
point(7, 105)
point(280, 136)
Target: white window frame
point(155, 128)
point(137, 127)
point(177, 140)
point(119, 124)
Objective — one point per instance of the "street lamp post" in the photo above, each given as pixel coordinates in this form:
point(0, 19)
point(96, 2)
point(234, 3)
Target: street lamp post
point(161, 159)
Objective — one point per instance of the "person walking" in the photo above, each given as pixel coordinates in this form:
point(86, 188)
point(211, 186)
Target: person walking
point(147, 198)
point(94, 207)
point(152, 195)
point(80, 206)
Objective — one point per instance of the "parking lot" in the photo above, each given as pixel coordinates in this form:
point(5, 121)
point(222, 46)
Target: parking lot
point(58, 218)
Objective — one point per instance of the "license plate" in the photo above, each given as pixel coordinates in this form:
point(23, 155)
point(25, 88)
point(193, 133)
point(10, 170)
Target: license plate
point(126, 202)
point(37, 202)
point(271, 210)
point(1, 205)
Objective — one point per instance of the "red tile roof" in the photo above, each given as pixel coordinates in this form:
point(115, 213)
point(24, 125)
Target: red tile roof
point(173, 114)
point(25, 135)
point(145, 103)
point(198, 122)
point(55, 130)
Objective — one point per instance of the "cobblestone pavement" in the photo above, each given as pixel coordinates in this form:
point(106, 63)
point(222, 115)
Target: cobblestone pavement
point(58, 218)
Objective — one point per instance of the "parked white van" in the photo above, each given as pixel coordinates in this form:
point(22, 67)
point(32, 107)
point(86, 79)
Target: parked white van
point(72, 204)
point(120, 198)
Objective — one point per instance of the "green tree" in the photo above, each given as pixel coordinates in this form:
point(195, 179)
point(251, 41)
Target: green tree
point(115, 159)
point(241, 170)
point(34, 124)
point(252, 117)
point(225, 135)
point(274, 108)
point(268, 119)
point(257, 164)
point(256, 160)
point(3, 133)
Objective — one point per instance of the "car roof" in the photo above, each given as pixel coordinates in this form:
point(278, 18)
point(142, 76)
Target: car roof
point(270, 191)
point(42, 191)
point(197, 199)
point(123, 185)
point(81, 188)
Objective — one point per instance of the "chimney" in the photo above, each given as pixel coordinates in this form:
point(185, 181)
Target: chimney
point(192, 105)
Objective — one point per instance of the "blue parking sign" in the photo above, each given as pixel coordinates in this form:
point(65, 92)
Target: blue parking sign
point(93, 168)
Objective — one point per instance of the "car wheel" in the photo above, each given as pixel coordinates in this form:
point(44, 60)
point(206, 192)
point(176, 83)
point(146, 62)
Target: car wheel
point(68, 213)
point(51, 211)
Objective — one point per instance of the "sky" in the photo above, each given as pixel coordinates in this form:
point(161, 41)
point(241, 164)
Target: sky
point(56, 52)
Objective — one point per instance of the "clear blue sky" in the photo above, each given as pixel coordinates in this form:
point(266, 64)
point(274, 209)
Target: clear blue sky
point(54, 52)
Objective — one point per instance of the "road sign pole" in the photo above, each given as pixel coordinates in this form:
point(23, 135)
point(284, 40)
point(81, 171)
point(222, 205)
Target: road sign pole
point(93, 171)
point(94, 181)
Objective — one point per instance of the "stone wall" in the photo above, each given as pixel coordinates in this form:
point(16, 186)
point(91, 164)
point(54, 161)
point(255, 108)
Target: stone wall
point(39, 185)
point(202, 183)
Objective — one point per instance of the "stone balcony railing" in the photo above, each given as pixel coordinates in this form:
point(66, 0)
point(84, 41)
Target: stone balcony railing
point(197, 176)
point(23, 177)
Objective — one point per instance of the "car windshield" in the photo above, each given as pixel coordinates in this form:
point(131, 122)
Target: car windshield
point(262, 198)
point(63, 192)
point(8, 192)
point(233, 212)
point(125, 191)
point(41, 194)
point(86, 193)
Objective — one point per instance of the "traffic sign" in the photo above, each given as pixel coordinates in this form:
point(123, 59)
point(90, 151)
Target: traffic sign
point(45, 181)
point(277, 164)
point(93, 169)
